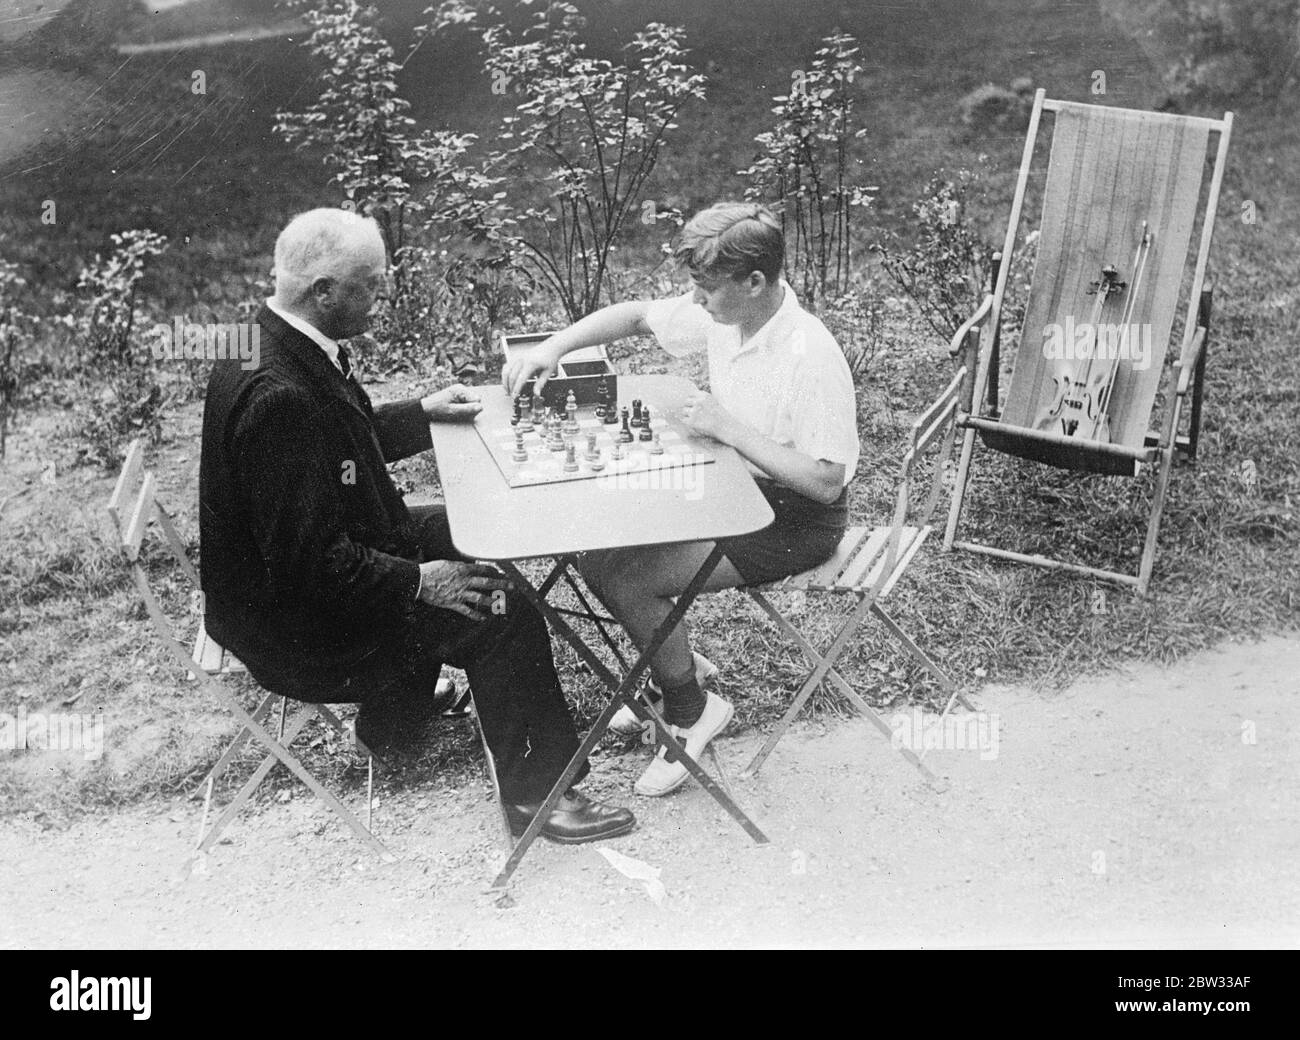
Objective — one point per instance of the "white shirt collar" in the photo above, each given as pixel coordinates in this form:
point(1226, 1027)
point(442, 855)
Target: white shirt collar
point(309, 330)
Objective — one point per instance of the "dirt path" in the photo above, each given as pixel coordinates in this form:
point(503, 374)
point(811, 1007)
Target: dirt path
point(1131, 809)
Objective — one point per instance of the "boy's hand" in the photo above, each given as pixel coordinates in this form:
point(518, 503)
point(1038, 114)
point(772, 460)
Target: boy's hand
point(455, 403)
point(538, 363)
point(702, 414)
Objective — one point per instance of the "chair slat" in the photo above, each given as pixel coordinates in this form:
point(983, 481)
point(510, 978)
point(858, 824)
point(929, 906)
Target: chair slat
point(904, 560)
point(125, 481)
point(141, 513)
point(824, 574)
point(875, 544)
point(864, 577)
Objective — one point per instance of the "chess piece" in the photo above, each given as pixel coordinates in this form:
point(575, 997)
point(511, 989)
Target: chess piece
point(618, 454)
point(520, 454)
point(655, 447)
point(525, 416)
point(611, 409)
point(625, 434)
point(602, 398)
point(636, 412)
point(592, 451)
point(571, 413)
point(539, 409)
point(514, 419)
point(646, 433)
point(597, 463)
point(570, 458)
point(554, 435)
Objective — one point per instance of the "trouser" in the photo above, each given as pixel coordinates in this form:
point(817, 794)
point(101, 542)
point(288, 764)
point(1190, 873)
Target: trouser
point(507, 657)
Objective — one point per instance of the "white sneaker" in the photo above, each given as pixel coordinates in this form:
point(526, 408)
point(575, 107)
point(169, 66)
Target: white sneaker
point(627, 724)
point(663, 776)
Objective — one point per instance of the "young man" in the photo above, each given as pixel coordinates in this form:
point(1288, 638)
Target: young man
point(781, 395)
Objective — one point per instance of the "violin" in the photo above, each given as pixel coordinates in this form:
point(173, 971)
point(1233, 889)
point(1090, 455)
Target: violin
point(1079, 406)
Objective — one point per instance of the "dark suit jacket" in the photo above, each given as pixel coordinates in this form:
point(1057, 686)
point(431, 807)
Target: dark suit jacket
point(308, 558)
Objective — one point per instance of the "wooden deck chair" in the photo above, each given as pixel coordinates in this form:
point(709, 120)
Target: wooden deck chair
point(1123, 192)
point(133, 505)
point(865, 567)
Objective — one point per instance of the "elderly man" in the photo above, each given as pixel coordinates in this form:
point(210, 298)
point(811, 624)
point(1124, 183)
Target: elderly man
point(317, 576)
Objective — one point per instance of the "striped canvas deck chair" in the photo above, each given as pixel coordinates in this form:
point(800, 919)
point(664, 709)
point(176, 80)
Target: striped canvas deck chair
point(133, 507)
point(1126, 193)
point(864, 569)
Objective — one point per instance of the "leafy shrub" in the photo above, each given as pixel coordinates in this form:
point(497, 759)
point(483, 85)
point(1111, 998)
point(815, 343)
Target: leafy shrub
point(945, 273)
point(803, 167)
point(15, 333)
point(857, 319)
point(117, 398)
point(590, 129)
point(416, 183)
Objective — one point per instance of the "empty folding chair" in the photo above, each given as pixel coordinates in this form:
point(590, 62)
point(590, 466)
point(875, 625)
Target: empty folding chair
point(1124, 192)
point(866, 566)
point(133, 506)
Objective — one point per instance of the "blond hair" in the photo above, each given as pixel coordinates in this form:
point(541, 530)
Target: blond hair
point(731, 239)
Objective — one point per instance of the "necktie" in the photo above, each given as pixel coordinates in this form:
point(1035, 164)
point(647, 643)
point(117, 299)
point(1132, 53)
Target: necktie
point(345, 363)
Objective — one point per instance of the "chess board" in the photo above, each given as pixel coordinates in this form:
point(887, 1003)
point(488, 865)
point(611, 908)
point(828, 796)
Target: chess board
point(544, 466)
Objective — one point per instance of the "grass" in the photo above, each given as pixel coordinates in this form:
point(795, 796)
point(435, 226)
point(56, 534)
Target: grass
point(211, 177)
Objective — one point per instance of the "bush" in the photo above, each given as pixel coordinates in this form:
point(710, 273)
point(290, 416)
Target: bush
point(15, 336)
point(803, 168)
point(946, 273)
point(118, 398)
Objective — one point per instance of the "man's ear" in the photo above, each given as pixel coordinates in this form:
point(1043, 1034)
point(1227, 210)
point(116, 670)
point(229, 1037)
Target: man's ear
point(322, 288)
point(756, 283)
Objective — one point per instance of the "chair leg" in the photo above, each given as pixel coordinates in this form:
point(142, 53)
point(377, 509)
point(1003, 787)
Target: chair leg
point(841, 684)
point(814, 679)
point(259, 714)
point(922, 658)
point(1157, 508)
point(250, 785)
point(959, 490)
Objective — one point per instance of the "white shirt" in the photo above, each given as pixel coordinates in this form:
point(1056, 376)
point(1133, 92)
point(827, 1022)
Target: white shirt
point(790, 382)
point(309, 330)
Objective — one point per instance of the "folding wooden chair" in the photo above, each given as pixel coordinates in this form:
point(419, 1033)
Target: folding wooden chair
point(208, 662)
point(866, 566)
point(1122, 196)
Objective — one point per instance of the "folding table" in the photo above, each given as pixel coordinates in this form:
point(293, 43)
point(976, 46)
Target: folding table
point(494, 522)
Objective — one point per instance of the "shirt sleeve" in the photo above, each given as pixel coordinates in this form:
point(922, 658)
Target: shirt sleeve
point(679, 324)
point(823, 408)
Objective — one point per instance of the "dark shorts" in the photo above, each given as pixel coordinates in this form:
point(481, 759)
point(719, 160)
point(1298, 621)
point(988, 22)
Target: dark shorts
point(804, 534)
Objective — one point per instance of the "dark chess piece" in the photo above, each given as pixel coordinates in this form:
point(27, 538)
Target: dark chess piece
point(646, 433)
point(625, 434)
point(636, 412)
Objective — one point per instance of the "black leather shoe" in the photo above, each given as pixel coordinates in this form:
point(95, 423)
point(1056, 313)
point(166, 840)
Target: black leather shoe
point(583, 819)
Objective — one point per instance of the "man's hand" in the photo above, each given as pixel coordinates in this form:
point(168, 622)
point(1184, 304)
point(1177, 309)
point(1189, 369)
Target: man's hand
point(455, 403)
point(539, 363)
point(702, 414)
point(465, 588)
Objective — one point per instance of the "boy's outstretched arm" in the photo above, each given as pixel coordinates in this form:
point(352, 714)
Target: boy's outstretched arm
point(609, 323)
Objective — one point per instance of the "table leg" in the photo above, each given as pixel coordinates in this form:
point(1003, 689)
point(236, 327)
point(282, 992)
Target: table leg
point(622, 696)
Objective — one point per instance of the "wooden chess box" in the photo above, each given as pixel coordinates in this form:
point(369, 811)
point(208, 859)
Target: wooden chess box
point(580, 371)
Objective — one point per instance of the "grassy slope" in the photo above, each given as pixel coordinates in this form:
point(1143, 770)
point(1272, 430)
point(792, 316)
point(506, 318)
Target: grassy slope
point(207, 172)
